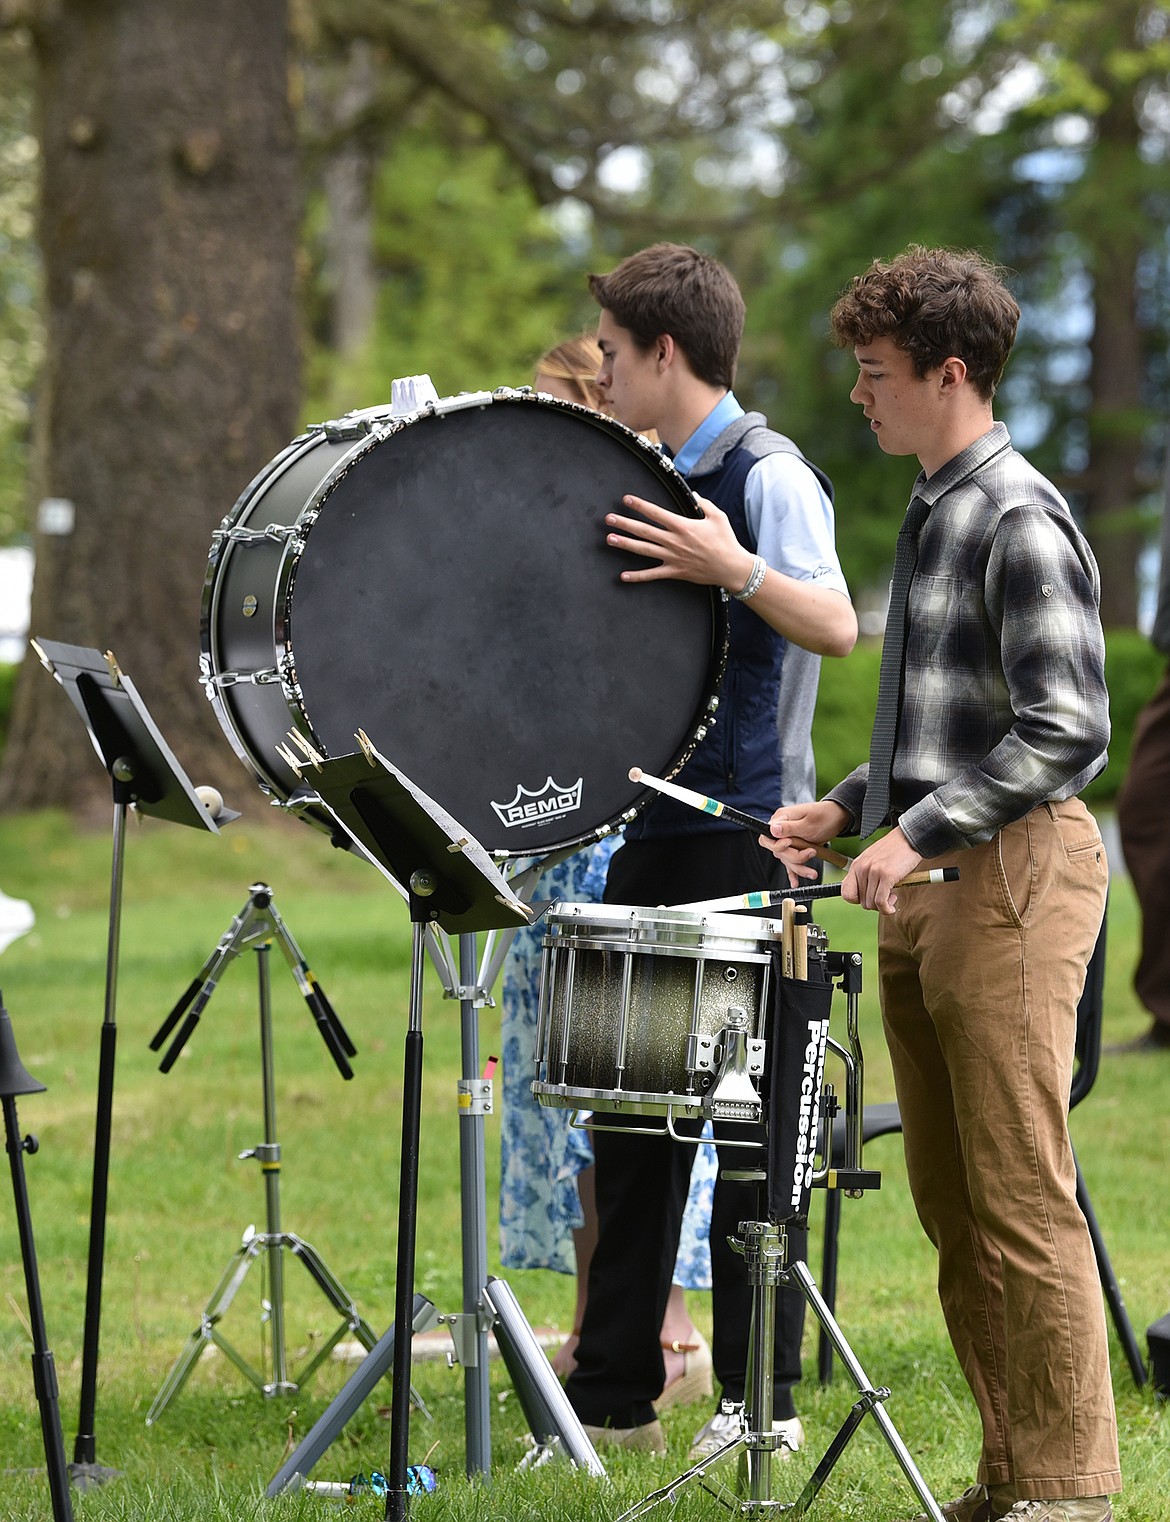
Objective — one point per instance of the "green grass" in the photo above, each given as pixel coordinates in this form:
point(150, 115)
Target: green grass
point(180, 1200)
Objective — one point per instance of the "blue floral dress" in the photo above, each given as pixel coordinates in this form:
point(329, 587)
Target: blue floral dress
point(540, 1153)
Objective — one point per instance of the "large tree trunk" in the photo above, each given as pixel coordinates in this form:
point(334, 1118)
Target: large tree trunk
point(169, 216)
point(1113, 226)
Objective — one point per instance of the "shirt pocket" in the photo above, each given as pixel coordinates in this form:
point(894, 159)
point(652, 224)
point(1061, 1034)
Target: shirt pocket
point(939, 608)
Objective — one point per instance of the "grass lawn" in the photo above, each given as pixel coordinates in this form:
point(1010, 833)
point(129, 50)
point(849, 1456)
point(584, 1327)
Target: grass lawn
point(180, 1200)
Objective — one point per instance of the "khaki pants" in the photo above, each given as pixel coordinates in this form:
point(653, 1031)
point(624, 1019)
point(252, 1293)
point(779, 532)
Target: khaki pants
point(980, 981)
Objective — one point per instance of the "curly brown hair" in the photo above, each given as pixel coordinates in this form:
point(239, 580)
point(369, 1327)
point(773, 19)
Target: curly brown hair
point(933, 303)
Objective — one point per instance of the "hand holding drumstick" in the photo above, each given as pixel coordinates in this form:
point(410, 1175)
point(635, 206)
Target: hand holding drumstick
point(870, 877)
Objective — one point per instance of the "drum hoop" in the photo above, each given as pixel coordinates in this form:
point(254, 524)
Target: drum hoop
point(616, 917)
point(630, 1101)
point(368, 428)
point(209, 663)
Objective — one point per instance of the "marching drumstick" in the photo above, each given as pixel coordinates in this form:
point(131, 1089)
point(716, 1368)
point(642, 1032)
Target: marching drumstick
point(767, 900)
point(787, 922)
point(800, 945)
point(719, 810)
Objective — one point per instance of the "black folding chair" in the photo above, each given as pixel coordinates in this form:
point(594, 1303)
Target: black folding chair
point(884, 1119)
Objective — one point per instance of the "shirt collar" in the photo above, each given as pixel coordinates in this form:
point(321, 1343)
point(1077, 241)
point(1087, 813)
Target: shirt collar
point(964, 464)
point(725, 411)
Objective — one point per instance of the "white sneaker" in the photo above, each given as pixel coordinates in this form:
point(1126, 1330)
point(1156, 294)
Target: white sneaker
point(727, 1424)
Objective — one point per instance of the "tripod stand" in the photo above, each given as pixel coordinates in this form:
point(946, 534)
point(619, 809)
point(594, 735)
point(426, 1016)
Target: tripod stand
point(798, 1037)
point(258, 925)
point(452, 886)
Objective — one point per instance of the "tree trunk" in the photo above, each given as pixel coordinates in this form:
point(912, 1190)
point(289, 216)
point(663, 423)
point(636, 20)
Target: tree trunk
point(169, 215)
point(1115, 237)
point(347, 175)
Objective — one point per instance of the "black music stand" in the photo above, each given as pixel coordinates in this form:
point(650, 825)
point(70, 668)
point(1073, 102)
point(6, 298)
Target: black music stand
point(145, 774)
point(15, 1079)
point(449, 880)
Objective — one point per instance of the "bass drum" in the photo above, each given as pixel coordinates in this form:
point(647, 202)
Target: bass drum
point(441, 581)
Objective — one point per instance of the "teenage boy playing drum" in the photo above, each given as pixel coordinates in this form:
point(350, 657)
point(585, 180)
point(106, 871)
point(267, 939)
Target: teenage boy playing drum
point(670, 329)
point(997, 718)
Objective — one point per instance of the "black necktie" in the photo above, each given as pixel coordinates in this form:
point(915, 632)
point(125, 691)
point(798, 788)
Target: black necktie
point(889, 703)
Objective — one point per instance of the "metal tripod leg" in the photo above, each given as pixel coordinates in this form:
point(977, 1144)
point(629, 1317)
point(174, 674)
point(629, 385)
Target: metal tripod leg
point(871, 1397)
point(378, 1362)
point(551, 1419)
point(222, 1296)
point(767, 1245)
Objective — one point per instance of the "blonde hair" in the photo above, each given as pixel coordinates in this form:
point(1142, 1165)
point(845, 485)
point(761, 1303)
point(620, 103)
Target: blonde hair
point(576, 360)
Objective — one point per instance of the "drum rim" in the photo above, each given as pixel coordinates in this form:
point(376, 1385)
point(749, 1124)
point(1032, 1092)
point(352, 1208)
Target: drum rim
point(734, 926)
point(210, 663)
point(627, 1101)
point(369, 428)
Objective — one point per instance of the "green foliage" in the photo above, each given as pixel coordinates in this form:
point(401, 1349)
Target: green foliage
point(474, 280)
point(1133, 669)
point(846, 700)
point(7, 689)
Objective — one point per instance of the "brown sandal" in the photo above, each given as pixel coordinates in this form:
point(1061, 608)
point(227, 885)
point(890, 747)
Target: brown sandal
point(695, 1382)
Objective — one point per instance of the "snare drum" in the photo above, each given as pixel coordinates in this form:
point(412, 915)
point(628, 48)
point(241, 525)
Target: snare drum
point(441, 581)
point(653, 1012)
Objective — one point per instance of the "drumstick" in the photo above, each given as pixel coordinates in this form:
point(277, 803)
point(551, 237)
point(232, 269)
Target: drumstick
point(719, 810)
point(787, 920)
point(800, 945)
point(767, 900)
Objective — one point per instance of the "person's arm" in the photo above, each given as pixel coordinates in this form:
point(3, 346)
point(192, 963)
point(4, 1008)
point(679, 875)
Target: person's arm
point(810, 610)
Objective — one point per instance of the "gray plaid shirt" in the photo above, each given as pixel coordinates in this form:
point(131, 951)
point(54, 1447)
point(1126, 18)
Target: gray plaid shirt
point(1005, 705)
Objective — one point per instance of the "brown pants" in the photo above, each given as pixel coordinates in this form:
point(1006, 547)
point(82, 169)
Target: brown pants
point(1143, 817)
point(980, 981)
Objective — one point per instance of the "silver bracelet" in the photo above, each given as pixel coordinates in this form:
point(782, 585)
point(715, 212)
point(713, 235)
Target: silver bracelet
point(755, 581)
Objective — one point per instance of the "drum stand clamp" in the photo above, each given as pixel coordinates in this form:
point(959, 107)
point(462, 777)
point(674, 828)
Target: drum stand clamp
point(258, 924)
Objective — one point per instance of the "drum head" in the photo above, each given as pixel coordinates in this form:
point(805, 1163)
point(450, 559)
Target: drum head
point(456, 600)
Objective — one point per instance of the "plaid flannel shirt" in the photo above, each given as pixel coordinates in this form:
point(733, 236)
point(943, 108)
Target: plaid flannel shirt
point(1004, 704)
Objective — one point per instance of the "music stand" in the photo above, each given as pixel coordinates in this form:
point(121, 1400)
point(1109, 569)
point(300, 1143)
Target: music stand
point(15, 1079)
point(143, 773)
point(449, 880)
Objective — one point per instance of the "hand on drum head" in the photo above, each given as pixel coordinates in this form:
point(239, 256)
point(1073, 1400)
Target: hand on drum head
point(700, 550)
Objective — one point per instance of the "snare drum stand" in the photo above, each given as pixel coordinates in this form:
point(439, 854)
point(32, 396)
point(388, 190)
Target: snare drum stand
point(764, 1248)
point(258, 924)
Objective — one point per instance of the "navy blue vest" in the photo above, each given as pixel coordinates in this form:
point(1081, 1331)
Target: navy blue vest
point(738, 760)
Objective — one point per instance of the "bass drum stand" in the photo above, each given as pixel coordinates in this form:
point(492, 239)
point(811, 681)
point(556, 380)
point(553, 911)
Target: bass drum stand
point(764, 1248)
point(408, 838)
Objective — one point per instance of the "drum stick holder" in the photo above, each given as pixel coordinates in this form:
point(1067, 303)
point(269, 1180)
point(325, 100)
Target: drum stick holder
point(798, 1039)
point(258, 925)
